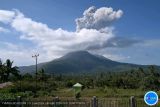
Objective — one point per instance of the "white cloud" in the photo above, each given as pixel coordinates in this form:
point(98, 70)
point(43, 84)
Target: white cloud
point(53, 40)
point(53, 43)
point(8, 45)
point(4, 30)
point(6, 16)
point(19, 54)
point(14, 52)
point(98, 18)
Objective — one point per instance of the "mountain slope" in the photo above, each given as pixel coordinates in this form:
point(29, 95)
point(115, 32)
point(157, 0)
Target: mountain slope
point(81, 62)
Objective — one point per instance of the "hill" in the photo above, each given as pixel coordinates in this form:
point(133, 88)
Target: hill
point(81, 62)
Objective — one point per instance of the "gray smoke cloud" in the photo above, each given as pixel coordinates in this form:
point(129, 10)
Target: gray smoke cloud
point(98, 18)
point(117, 42)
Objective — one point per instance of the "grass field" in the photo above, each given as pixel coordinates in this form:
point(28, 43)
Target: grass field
point(101, 92)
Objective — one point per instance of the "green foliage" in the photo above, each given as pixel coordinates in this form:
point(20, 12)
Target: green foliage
point(135, 79)
point(69, 83)
point(106, 84)
point(78, 95)
point(42, 93)
point(27, 76)
point(6, 69)
point(7, 96)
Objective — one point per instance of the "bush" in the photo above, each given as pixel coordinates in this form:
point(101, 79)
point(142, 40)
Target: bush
point(42, 93)
point(78, 95)
point(7, 97)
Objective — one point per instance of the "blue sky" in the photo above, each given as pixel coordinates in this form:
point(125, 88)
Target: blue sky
point(135, 32)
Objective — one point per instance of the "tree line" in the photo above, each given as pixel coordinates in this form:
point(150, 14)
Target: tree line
point(134, 79)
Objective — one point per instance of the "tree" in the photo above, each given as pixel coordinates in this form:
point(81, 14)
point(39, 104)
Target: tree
point(89, 83)
point(153, 71)
point(1, 70)
point(41, 75)
point(10, 69)
point(141, 72)
point(27, 76)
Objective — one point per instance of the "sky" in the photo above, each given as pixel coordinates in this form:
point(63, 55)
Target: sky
point(121, 30)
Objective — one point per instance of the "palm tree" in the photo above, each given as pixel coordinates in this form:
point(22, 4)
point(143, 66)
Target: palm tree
point(10, 69)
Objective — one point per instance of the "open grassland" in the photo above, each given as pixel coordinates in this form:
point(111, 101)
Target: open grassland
point(101, 92)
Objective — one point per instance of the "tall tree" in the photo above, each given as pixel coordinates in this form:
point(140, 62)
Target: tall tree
point(10, 69)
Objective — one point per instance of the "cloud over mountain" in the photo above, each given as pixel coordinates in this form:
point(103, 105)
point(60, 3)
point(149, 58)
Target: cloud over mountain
point(53, 40)
point(94, 31)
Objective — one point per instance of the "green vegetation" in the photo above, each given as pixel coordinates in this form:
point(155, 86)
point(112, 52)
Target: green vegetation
point(101, 84)
point(7, 69)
